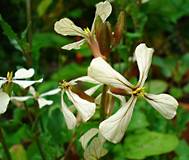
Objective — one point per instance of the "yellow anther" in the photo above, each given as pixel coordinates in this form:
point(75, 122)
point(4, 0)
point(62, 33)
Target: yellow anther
point(64, 85)
point(138, 91)
point(9, 76)
point(87, 30)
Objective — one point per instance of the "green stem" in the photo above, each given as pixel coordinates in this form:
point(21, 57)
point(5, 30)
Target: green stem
point(103, 102)
point(28, 52)
point(40, 149)
point(5, 147)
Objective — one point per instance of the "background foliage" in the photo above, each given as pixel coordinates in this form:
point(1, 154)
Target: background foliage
point(162, 24)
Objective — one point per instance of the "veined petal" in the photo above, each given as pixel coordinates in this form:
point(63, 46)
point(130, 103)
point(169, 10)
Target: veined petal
point(83, 79)
point(24, 73)
point(51, 92)
point(113, 128)
point(66, 27)
point(4, 99)
point(74, 45)
point(21, 98)
point(2, 82)
point(68, 115)
point(85, 108)
point(165, 104)
point(26, 83)
point(87, 137)
point(101, 71)
point(103, 9)
point(43, 102)
point(143, 56)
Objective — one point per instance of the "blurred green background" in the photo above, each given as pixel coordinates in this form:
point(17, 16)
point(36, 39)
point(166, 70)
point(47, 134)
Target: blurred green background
point(161, 24)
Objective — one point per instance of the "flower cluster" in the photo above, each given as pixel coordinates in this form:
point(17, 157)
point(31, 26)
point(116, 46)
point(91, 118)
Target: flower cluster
point(114, 127)
point(100, 73)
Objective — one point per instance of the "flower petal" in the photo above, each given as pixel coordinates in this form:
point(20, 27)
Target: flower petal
point(24, 73)
point(92, 90)
point(21, 98)
point(87, 137)
point(26, 83)
point(101, 71)
point(74, 45)
point(66, 27)
point(68, 115)
point(43, 102)
point(85, 108)
point(163, 103)
point(103, 9)
point(113, 128)
point(51, 92)
point(143, 56)
point(83, 79)
point(4, 99)
point(32, 90)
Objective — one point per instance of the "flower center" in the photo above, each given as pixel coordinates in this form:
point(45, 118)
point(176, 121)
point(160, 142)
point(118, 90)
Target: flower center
point(64, 85)
point(87, 31)
point(138, 91)
point(9, 77)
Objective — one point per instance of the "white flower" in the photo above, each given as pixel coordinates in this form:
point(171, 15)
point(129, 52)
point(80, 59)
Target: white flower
point(114, 127)
point(38, 97)
point(85, 108)
point(66, 27)
point(19, 78)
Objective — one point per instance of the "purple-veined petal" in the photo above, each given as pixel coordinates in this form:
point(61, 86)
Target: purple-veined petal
point(66, 27)
point(102, 72)
point(74, 45)
point(69, 117)
point(165, 104)
point(143, 56)
point(85, 108)
point(113, 128)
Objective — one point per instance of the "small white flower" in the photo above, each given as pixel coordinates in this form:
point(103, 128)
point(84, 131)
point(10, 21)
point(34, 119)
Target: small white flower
point(38, 97)
point(19, 78)
point(85, 108)
point(66, 27)
point(114, 127)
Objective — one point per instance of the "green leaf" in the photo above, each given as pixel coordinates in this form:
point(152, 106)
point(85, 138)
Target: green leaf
point(11, 35)
point(147, 143)
point(138, 121)
point(156, 86)
point(45, 40)
point(186, 88)
point(43, 6)
point(176, 92)
point(182, 151)
point(18, 152)
point(70, 71)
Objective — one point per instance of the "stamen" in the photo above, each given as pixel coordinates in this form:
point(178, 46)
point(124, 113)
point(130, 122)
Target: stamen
point(64, 85)
point(139, 91)
point(9, 77)
point(87, 30)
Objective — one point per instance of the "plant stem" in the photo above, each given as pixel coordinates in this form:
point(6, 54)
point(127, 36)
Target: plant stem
point(28, 53)
point(103, 102)
point(5, 147)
